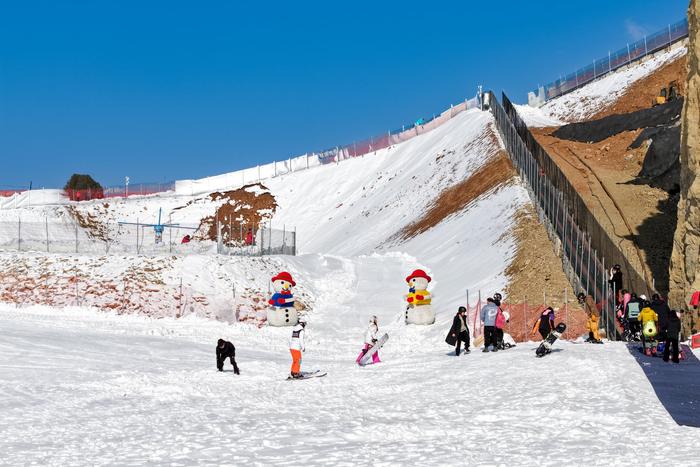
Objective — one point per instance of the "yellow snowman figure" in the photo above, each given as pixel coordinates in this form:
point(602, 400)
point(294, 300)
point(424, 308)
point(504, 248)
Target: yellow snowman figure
point(419, 309)
point(282, 311)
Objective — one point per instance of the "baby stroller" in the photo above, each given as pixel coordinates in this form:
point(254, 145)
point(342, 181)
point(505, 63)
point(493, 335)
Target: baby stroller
point(633, 328)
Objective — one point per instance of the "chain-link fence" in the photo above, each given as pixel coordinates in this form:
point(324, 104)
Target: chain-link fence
point(70, 236)
point(585, 247)
point(649, 44)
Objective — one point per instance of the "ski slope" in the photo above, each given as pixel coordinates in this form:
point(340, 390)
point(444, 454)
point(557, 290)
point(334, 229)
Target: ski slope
point(80, 387)
point(350, 210)
point(583, 103)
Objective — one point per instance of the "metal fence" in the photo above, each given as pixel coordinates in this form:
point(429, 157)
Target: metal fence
point(586, 249)
point(133, 239)
point(632, 52)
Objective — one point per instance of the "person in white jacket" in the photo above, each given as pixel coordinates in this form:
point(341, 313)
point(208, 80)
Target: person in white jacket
point(296, 346)
point(371, 336)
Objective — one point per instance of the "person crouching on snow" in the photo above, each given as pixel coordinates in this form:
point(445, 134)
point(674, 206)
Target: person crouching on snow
point(296, 346)
point(224, 350)
point(371, 336)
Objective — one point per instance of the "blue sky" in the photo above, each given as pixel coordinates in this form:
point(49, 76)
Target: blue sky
point(164, 90)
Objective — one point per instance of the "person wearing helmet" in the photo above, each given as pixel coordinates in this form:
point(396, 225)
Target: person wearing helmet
point(588, 304)
point(459, 332)
point(371, 337)
point(296, 346)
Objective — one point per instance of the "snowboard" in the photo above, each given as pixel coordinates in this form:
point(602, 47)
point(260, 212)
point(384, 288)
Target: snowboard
point(308, 375)
point(374, 349)
point(546, 345)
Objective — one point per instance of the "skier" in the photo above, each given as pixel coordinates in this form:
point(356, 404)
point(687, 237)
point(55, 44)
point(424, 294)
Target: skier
point(371, 337)
point(488, 321)
point(224, 350)
point(646, 317)
point(592, 313)
point(459, 332)
point(672, 331)
point(296, 347)
point(545, 323)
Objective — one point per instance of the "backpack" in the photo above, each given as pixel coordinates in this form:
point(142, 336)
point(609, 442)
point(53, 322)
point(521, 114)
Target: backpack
point(500, 319)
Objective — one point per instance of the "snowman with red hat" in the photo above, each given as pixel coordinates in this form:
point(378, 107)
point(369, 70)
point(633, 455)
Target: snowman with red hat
point(282, 311)
point(419, 309)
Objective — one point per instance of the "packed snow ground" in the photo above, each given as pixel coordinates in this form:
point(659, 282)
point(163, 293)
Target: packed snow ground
point(80, 387)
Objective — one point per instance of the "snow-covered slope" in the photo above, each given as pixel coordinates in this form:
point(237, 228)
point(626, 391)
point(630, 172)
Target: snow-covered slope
point(348, 210)
point(586, 101)
point(81, 388)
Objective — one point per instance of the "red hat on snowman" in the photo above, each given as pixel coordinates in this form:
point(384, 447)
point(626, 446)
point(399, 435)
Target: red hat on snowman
point(418, 273)
point(284, 276)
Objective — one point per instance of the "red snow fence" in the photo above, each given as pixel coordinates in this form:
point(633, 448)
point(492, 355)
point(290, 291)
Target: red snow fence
point(523, 317)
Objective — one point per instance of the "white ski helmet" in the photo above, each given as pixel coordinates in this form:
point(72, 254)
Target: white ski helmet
point(302, 320)
point(373, 319)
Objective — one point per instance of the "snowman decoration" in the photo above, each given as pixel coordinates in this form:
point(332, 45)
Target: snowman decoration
point(282, 311)
point(419, 309)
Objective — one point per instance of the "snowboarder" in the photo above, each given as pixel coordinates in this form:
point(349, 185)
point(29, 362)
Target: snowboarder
point(459, 332)
point(592, 314)
point(488, 321)
point(545, 323)
point(371, 337)
point(296, 347)
point(224, 350)
point(673, 329)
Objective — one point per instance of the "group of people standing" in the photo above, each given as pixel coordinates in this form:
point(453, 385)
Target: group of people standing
point(493, 320)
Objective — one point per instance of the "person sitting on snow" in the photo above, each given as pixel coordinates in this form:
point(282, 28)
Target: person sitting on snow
point(296, 346)
point(371, 337)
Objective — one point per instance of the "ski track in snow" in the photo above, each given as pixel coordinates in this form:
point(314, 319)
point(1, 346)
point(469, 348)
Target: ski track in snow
point(81, 387)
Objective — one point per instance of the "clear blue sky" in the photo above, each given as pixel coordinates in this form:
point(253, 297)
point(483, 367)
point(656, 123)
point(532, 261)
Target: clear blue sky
point(163, 90)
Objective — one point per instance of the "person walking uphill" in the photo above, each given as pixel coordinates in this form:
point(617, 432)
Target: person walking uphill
point(459, 332)
point(296, 346)
point(488, 320)
point(673, 330)
point(593, 316)
point(371, 336)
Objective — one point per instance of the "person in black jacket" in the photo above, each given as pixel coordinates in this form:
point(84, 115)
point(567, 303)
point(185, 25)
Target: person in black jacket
point(673, 330)
point(224, 350)
point(615, 280)
point(662, 310)
point(459, 332)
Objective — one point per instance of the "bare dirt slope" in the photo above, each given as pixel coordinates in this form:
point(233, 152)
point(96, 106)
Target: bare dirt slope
point(640, 217)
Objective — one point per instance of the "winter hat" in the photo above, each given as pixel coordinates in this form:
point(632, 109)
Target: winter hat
point(301, 320)
point(284, 276)
point(461, 310)
point(418, 273)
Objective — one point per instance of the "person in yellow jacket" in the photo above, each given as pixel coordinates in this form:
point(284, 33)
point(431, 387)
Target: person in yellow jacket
point(592, 313)
point(648, 315)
